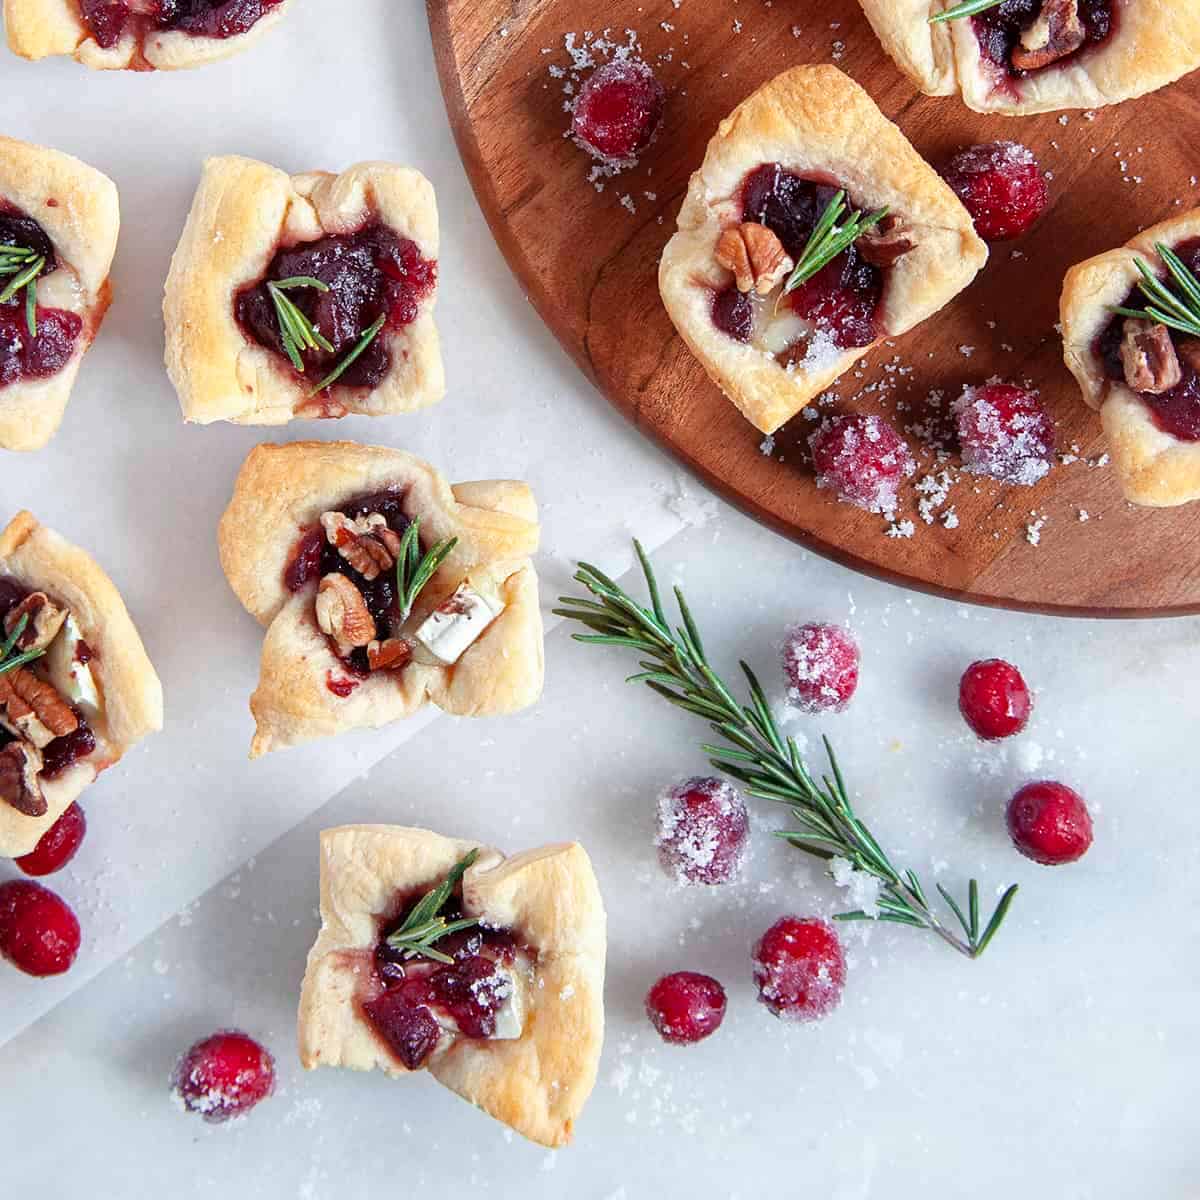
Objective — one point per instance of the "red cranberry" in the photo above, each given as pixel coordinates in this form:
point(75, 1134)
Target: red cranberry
point(733, 314)
point(1005, 432)
point(618, 111)
point(799, 968)
point(1001, 185)
point(686, 1007)
point(841, 300)
point(821, 664)
point(224, 1076)
point(702, 831)
point(1049, 823)
point(994, 699)
point(863, 459)
point(57, 845)
point(39, 934)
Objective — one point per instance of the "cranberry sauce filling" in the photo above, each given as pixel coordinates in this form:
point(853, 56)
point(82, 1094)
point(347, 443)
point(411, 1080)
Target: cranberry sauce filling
point(109, 20)
point(470, 991)
point(1177, 411)
point(370, 274)
point(999, 30)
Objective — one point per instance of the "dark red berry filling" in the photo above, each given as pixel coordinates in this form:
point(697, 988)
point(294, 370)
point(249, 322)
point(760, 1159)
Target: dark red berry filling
point(57, 846)
point(618, 111)
point(863, 460)
point(224, 1076)
point(733, 314)
point(799, 968)
point(994, 699)
point(39, 934)
point(1005, 432)
point(370, 274)
point(1001, 185)
point(110, 20)
point(1050, 823)
point(686, 1007)
point(999, 30)
point(821, 664)
point(703, 828)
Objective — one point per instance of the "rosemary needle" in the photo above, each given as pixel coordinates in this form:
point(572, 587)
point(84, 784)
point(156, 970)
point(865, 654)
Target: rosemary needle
point(967, 9)
point(338, 371)
point(413, 571)
point(424, 925)
point(829, 239)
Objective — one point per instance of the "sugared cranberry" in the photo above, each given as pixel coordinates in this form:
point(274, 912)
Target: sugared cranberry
point(224, 1076)
point(799, 968)
point(1004, 432)
point(686, 1007)
point(703, 828)
point(733, 314)
point(618, 111)
point(57, 846)
point(39, 934)
point(821, 664)
point(1049, 823)
point(1002, 187)
point(863, 459)
point(994, 699)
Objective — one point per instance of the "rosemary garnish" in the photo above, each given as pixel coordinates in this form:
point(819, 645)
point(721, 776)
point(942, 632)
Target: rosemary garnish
point(363, 342)
point(10, 661)
point(423, 926)
point(967, 9)
point(25, 266)
point(1180, 311)
point(413, 571)
point(829, 239)
point(675, 666)
point(296, 330)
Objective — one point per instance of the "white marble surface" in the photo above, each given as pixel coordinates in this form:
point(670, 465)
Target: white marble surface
point(1062, 1064)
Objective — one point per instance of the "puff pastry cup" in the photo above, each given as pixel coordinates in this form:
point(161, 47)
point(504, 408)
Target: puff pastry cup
point(251, 222)
point(1152, 43)
point(94, 676)
point(66, 212)
point(815, 123)
point(538, 1068)
point(473, 642)
point(1155, 468)
point(141, 39)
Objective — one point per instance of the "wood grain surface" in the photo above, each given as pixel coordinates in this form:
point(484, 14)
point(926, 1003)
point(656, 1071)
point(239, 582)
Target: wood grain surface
point(589, 265)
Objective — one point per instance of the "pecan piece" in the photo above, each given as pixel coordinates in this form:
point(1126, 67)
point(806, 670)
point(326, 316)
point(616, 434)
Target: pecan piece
point(1148, 355)
point(389, 655)
point(19, 787)
point(368, 544)
point(342, 614)
point(755, 256)
point(45, 620)
point(1056, 33)
point(33, 708)
point(886, 242)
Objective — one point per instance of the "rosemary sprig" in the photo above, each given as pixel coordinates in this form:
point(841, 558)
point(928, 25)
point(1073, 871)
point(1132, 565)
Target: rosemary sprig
point(967, 9)
point(363, 342)
point(829, 239)
point(10, 661)
point(1177, 310)
point(414, 571)
point(296, 330)
point(771, 767)
point(423, 926)
point(25, 266)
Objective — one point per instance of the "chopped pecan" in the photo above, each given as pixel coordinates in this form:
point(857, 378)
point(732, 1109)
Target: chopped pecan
point(20, 764)
point(1148, 355)
point(1057, 32)
point(389, 655)
point(755, 256)
point(342, 613)
point(1189, 351)
point(33, 708)
point(45, 620)
point(885, 242)
point(368, 544)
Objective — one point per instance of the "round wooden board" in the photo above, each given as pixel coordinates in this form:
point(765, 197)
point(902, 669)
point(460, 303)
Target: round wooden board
point(589, 265)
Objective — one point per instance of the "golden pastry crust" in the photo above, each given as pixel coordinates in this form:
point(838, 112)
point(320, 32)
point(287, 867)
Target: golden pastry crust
point(40, 560)
point(281, 491)
point(242, 212)
point(538, 1083)
point(1155, 469)
point(815, 121)
point(77, 207)
point(1155, 43)
point(43, 28)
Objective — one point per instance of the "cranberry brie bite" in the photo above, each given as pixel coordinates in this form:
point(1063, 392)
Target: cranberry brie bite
point(811, 232)
point(381, 587)
point(1029, 56)
point(304, 296)
point(439, 954)
point(141, 35)
point(76, 687)
point(58, 232)
point(1131, 336)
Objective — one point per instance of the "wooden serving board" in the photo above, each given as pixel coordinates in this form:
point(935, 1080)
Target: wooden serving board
point(589, 265)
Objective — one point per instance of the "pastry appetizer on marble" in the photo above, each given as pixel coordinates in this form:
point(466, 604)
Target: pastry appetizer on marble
point(141, 35)
point(76, 687)
point(811, 231)
point(381, 587)
point(1031, 56)
point(1131, 337)
point(59, 220)
point(440, 954)
point(304, 296)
